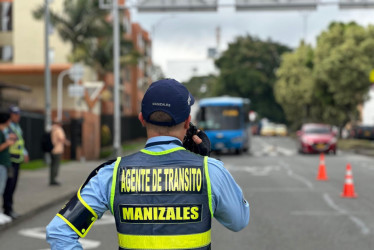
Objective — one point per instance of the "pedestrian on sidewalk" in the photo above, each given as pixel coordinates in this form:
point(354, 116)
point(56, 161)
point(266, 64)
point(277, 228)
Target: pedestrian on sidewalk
point(5, 164)
point(18, 154)
point(59, 142)
point(162, 197)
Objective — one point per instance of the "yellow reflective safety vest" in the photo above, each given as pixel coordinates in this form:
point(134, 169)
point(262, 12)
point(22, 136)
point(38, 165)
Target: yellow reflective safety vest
point(17, 149)
point(162, 200)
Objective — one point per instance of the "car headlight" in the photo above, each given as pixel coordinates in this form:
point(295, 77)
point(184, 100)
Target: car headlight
point(237, 140)
point(306, 141)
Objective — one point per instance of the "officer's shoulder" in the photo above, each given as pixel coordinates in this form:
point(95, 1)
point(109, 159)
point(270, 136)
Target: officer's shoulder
point(96, 170)
point(216, 165)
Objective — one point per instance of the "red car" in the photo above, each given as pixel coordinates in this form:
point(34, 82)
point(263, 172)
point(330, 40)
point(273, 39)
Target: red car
point(317, 138)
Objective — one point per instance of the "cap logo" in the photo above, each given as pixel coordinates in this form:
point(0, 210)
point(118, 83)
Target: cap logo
point(189, 100)
point(161, 104)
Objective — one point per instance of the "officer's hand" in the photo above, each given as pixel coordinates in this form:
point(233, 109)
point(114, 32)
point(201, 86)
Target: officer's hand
point(26, 159)
point(197, 139)
point(203, 143)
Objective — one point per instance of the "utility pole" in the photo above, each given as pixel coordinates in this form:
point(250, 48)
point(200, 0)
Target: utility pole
point(47, 70)
point(117, 110)
point(113, 5)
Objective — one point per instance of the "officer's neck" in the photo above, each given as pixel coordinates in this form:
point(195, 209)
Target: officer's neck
point(176, 134)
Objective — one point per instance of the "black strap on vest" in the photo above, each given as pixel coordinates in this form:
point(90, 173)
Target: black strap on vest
point(163, 143)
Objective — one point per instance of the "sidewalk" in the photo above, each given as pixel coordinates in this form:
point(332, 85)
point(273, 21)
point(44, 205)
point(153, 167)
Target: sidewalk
point(34, 194)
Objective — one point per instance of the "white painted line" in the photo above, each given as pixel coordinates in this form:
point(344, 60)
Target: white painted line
point(39, 233)
point(296, 176)
point(253, 170)
point(322, 213)
point(315, 213)
point(278, 189)
point(365, 230)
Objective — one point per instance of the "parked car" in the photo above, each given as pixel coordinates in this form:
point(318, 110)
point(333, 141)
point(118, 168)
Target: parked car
point(317, 138)
point(280, 130)
point(268, 129)
point(362, 132)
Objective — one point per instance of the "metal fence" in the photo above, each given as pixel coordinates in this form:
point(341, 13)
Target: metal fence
point(32, 125)
point(130, 129)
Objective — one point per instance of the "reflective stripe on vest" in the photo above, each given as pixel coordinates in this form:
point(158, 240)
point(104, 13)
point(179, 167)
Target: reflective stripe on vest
point(17, 149)
point(162, 200)
point(189, 241)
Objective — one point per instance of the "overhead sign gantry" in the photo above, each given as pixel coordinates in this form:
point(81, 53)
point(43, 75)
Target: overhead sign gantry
point(172, 5)
point(358, 4)
point(244, 5)
point(266, 5)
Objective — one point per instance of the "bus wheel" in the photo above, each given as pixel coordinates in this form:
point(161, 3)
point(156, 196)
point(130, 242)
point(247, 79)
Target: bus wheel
point(238, 151)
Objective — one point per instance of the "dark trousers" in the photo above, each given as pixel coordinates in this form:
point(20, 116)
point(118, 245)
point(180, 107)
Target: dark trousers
point(55, 165)
point(10, 187)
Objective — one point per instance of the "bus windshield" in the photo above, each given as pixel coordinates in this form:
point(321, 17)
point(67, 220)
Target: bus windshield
point(219, 118)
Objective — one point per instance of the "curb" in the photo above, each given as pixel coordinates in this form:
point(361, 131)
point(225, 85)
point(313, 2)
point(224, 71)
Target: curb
point(45, 206)
point(36, 211)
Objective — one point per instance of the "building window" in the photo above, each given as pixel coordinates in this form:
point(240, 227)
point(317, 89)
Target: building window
point(127, 74)
point(141, 65)
point(149, 50)
point(6, 53)
point(126, 24)
point(140, 83)
point(127, 101)
point(140, 41)
point(6, 16)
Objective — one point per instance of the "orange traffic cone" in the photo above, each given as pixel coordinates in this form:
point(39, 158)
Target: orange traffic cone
point(322, 175)
point(348, 188)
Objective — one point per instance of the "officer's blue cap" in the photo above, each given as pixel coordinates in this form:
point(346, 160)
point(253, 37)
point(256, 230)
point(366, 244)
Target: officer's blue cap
point(14, 109)
point(169, 96)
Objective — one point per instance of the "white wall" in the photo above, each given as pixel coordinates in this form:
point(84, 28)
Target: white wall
point(28, 34)
point(368, 110)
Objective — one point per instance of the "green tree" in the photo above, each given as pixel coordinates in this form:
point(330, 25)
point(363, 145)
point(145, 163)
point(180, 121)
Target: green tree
point(343, 60)
point(247, 69)
point(295, 85)
point(86, 27)
point(202, 86)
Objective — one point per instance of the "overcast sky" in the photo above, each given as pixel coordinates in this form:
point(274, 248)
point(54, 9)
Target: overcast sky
point(181, 40)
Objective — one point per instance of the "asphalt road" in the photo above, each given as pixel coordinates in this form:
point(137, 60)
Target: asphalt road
point(290, 209)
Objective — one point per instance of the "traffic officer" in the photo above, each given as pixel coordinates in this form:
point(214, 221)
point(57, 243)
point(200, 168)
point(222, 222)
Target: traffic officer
point(162, 197)
point(18, 154)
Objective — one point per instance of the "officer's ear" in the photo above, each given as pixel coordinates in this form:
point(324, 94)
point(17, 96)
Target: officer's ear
point(187, 122)
point(141, 119)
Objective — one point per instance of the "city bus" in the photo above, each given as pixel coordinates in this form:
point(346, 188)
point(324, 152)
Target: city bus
point(225, 120)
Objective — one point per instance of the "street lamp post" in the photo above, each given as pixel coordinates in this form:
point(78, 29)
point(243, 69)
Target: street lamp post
point(113, 5)
point(117, 110)
point(47, 70)
point(60, 93)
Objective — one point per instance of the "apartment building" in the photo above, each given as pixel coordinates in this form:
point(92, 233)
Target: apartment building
point(135, 77)
point(22, 63)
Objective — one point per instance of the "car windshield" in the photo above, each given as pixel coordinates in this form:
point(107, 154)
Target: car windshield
point(317, 130)
point(219, 118)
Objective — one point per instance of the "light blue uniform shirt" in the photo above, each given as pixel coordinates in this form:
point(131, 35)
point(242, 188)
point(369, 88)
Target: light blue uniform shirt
point(229, 206)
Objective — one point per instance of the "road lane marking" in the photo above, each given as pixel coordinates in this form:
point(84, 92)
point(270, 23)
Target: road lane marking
point(365, 230)
point(271, 150)
point(366, 165)
point(278, 190)
point(39, 233)
point(315, 213)
point(253, 170)
point(322, 213)
point(300, 178)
